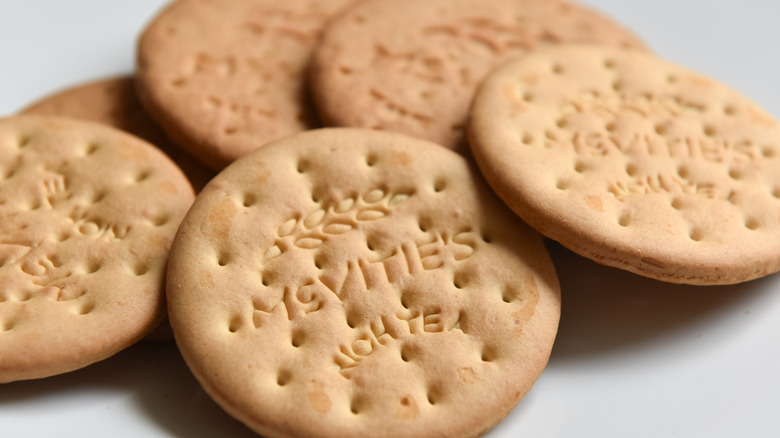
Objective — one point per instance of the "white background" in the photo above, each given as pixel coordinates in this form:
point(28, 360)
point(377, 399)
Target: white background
point(633, 358)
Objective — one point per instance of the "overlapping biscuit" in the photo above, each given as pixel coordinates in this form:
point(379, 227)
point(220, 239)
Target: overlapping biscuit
point(634, 162)
point(348, 282)
point(113, 102)
point(88, 214)
point(412, 66)
point(223, 78)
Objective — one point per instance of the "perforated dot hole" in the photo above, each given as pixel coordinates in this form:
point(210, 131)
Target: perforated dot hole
point(85, 308)
point(302, 166)
point(557, 69)
point(223, 259)
point(160, 220)
point(371, 160)
point(683, 172)
point(624, 220)
point(488, 354)
point(696, 234)
point(24, 296)
point(354, 406)
point(235, 324)
point(508, 294)
point(318, 263)
point(406, 353)
point(752, 224)
point(672, 79)
point(631, 170)
point(23, 141)
point(729, 110)
point(63, 236)
point(677, 203)
point(609, 64)
point(528, 97)
point(424, 224)
point(249, 200)
point(140, 269)
point(561, 123)
point(660, 129)
point(611, 126)
point(297, 338)
point(178, 82)
point(562, 184)
point(6, 326)
point(617, 85)
point(93, 267)
point(486, 237)
point(283, 377)
point(439, 185)
point(735, 174)
point(142, 176)
point(98, 196)
point(33, 204)
point(353, 320)
point(230, 130)
point(709, 130)
point(432, 396)
point(527, 139)
point(580, 167)
point(404, 301)
point(768, 152)
point(776, 192)
point(91, 148)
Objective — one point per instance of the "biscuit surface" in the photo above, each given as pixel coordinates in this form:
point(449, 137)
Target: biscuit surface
point(634, 162)
point(413, 66)
point(354, 283)
point(223, 78)
point(88, 215)
point(113, 102)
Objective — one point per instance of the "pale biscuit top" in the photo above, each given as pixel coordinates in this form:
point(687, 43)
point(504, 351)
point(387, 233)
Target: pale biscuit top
point(113, 102)
point(87, 215)
point(224, 77)
point(412, 66)
point(634, 162)
point(356, 283)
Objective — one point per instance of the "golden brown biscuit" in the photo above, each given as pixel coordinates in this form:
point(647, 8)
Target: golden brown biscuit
point(222, 78)
point(348, 282)
point(88, 215)
point(634, 162)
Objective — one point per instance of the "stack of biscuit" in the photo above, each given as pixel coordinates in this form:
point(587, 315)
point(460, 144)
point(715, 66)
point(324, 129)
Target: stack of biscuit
point(364, 256)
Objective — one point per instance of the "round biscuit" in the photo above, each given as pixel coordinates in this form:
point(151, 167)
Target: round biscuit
point(88, 214)
point(346, 282)
point(635, 162)
point(223, 78)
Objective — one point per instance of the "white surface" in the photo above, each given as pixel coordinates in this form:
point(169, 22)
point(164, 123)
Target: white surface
point(634, 357)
